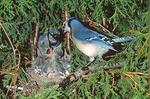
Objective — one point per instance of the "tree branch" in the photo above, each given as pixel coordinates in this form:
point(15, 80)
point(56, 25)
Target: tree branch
point(8, 38)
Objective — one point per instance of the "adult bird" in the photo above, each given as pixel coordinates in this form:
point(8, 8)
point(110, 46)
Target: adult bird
point(93, 43)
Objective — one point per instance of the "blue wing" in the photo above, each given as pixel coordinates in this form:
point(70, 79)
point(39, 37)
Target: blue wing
point(91, 36)
point(85, 33)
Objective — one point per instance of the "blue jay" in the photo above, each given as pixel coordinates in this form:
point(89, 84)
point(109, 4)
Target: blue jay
point(92, 43)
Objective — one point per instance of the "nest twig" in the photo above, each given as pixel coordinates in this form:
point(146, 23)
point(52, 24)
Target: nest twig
point(68, 49)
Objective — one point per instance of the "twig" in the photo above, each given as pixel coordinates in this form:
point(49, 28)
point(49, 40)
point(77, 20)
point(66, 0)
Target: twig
point(99, 25)
point(104, 23)
point(35, 42)
point(8, 38)
point(120, 12)
point(68, 49)
point(8, 89)
point(15, 77)
point(136, 73)
point(36, 34)
point(17, 64)
point(135, 83)
point(114, 28)
point(113, 79)
point(6, 73)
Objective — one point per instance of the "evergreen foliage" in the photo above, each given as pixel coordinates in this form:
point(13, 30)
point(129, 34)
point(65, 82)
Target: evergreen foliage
point(19, 18)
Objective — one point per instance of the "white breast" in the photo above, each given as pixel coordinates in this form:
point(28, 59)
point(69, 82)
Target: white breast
point(90, 49)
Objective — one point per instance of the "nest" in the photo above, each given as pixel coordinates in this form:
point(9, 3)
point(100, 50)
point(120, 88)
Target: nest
point(52, 65)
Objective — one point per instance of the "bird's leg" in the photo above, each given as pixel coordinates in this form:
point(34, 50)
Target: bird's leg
point(87, 65)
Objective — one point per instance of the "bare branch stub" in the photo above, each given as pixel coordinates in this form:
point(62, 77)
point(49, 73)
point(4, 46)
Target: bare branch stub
point(34, 50)
point(68, 49)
